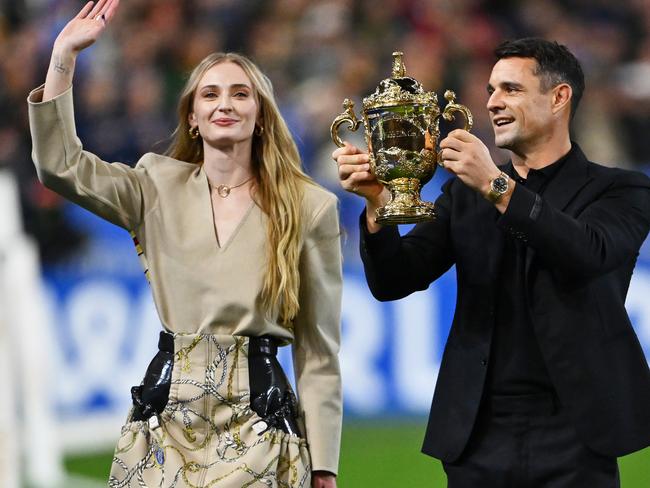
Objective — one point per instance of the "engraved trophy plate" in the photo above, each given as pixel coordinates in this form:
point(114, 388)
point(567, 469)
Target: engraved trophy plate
point(401, 124)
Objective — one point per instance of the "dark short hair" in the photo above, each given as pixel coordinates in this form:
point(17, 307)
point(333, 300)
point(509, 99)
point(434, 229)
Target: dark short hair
point(555, 64)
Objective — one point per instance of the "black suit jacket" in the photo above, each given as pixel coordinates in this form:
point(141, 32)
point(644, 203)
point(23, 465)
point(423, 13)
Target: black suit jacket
point(583, 238)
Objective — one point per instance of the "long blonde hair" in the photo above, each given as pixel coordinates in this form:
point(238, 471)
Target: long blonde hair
point(277, 168)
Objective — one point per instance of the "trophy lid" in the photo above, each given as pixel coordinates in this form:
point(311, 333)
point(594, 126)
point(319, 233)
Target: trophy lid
point(399, 89)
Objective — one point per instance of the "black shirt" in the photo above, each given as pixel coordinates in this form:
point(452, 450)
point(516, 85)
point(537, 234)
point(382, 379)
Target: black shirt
point(516, 363)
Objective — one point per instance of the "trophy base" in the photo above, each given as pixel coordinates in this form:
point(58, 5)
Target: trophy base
point(405, 206)
point(405, 216)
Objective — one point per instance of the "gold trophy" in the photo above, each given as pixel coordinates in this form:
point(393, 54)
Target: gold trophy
point(401, 124)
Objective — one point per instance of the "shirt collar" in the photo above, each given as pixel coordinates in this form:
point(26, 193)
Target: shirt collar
point(547, 172)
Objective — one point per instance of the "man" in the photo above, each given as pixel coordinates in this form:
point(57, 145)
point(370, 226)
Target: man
point(543, 382)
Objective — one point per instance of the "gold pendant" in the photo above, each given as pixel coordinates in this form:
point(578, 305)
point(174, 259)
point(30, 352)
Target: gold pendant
point(223, 190)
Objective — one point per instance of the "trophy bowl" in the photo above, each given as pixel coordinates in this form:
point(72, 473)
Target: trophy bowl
point(401, 123)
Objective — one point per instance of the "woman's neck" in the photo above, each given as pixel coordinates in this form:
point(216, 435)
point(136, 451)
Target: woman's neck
point(228, 165)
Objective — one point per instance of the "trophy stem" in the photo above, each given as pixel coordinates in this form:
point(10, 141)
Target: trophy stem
point(405, 205)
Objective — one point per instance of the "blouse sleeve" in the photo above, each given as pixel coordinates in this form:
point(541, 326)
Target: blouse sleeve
point(114, 191)
point(317, 337)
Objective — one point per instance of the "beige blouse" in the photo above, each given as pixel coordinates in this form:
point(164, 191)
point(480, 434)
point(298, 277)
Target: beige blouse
point(197, 285)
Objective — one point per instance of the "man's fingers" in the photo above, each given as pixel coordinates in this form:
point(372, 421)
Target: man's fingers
point(356, 179)
point(461, 135)
point(451, 142)
point(346, 150)
point(346, 170)
point(353, 159)
point(450, 155)
point(361, 177)
point(450, 165)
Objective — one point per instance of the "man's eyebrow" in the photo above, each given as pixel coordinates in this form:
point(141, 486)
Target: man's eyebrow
point(505, 84)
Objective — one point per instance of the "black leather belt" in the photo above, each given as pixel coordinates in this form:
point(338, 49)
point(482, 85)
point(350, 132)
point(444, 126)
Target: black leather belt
point(166, 342)
point(271, 396)
point(265, 345)
point(152, 395)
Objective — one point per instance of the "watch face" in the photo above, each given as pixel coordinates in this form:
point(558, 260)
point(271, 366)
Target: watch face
point(500, 184)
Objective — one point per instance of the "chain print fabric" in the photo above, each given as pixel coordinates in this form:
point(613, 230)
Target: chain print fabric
point(205, 436)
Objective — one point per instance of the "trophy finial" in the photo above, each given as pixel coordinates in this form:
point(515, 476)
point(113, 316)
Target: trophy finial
point(399, 70)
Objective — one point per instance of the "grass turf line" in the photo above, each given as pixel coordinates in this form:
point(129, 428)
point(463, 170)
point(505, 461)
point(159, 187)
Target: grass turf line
point(383, 454)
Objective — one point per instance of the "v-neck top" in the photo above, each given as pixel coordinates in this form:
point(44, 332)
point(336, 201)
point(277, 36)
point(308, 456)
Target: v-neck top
point(221, 244)
point(197, 286)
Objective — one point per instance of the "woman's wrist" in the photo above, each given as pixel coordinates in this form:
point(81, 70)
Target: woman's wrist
point(60, 73)
point(63, 57)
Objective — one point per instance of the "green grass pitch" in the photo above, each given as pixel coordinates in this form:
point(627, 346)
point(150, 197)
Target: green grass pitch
point(384, 454)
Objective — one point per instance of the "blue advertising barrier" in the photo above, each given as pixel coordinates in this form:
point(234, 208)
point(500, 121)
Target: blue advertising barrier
point(107, 328)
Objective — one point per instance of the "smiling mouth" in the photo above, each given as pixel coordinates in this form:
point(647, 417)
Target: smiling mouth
point(225, 121)
point(502, 122)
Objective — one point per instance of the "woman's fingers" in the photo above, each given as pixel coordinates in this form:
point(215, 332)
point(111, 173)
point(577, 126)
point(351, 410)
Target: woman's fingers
point(110, 11)
point(97, 10)
point(84, 11)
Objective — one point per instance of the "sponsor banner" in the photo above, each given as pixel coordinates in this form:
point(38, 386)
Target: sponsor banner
point(107, 329)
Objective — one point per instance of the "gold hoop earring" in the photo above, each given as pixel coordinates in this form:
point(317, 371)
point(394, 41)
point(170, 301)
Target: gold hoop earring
point(259, 130)
point(194, 132)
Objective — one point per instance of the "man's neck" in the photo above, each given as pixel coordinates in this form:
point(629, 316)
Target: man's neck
point(540, 156)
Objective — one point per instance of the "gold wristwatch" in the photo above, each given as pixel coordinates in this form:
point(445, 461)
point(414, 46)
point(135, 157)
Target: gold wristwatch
point(498, 187)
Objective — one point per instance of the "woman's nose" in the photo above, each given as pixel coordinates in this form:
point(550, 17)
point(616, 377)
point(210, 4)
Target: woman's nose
point(225, 104)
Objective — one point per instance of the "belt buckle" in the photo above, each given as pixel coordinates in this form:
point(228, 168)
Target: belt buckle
point(154, 422)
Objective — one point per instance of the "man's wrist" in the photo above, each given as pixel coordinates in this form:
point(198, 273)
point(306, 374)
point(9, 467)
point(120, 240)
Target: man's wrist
point(372, 204)
point(497, 187)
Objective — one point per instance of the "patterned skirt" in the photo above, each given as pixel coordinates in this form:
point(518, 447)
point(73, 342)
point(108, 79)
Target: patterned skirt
point(208, 435)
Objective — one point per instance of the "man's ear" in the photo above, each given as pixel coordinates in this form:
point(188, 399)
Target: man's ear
point(562, 95)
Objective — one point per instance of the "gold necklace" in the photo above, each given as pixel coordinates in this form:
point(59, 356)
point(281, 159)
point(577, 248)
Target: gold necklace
point(224, 190)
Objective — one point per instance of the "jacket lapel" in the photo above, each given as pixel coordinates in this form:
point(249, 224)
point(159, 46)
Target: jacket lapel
point(563, 188)
point(570, 179)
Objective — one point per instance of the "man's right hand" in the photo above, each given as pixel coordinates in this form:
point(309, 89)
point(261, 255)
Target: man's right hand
point(355, 176)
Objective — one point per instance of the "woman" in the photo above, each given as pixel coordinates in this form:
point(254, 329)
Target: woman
point(242, 253)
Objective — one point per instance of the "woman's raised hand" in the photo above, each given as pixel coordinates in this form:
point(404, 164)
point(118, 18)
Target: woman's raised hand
point(86, 27)
point(77, 35)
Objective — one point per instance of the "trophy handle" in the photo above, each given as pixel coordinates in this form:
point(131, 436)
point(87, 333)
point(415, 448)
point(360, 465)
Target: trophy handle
point(452, 106)
point(448, 115)
point(348, 116)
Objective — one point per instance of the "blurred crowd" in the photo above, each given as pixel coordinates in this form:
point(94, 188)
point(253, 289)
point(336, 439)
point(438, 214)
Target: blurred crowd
point(316, 52)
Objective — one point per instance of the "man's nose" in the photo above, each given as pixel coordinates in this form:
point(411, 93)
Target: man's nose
point(494, 102)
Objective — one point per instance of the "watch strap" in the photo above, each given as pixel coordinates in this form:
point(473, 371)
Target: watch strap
point(498, 187)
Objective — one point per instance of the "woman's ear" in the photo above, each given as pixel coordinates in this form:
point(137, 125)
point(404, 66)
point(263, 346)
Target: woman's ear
point(191, 119)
